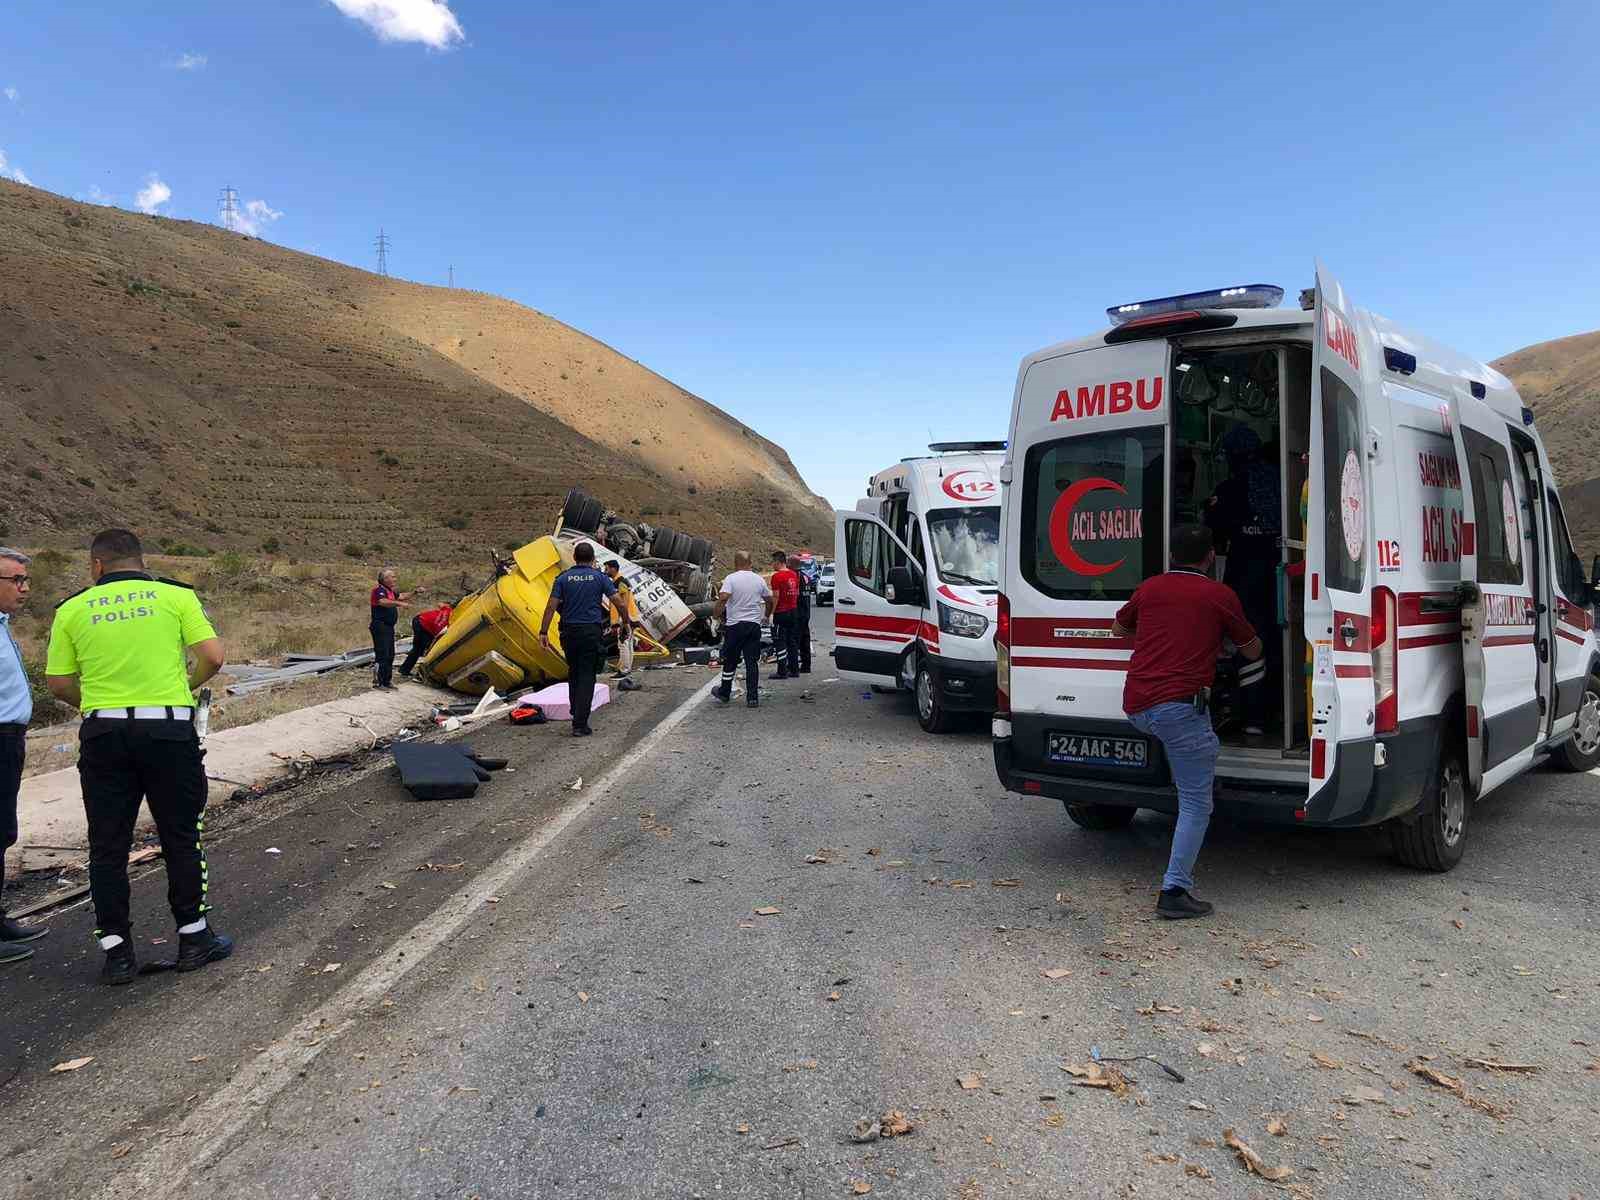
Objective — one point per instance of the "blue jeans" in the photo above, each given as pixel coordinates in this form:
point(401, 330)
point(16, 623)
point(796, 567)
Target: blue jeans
point(1191, 747)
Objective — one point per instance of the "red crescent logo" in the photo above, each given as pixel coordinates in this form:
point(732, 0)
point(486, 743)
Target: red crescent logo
point(1061, 524)
point(974, 490)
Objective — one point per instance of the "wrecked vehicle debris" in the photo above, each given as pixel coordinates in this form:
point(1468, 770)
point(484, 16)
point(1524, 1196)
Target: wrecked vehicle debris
point(492, 641)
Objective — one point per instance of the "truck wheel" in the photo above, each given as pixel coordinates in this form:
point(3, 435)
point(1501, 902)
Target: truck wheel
point(1437, 839)
point(582, 511)
point(931, 714)
point(700, 553)
point(1100, 816)
point(1581, 752)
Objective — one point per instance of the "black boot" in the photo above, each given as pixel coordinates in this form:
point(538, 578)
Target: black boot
point(195, 950)
point(119, 967)
point(12, 931)
point(1179, 905)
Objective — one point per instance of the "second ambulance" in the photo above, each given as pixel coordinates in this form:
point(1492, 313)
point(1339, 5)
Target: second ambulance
point(915, 591)
point(1403, 555)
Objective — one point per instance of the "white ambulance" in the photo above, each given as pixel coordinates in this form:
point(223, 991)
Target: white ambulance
point(1430, 628)
point(916, 571)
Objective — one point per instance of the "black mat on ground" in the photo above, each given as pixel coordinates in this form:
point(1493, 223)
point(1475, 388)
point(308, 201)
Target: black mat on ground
point(447, 771)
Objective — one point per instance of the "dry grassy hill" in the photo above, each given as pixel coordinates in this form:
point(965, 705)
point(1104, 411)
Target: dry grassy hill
point(1560, 381)
point(212, 390)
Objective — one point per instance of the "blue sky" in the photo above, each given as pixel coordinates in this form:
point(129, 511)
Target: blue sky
point(846, 224)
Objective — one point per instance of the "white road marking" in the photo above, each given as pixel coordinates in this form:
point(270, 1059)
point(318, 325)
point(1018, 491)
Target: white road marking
point(210, 1129)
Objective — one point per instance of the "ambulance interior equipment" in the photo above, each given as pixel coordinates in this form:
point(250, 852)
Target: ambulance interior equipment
point(1386, 511)
point(916, 580)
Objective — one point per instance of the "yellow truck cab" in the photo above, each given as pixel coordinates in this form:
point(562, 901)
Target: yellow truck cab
point(1431, 628)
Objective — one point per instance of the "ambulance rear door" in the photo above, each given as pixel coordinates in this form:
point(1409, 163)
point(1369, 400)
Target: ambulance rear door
point(1498, 635)
point(873, 625)
point(1339, 549)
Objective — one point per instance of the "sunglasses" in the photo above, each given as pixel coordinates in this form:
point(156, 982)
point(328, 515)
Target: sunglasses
point(19, 580)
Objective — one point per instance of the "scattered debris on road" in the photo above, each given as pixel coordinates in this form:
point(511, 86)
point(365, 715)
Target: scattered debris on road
point(72, 1064)
point(1253, 1162)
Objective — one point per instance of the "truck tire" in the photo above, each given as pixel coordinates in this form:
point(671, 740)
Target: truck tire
point(1437, 839)
point(1581, 752)
point(931, 714)
point(700, 553)
point(698, 588)
point(1100, 816)
point(582, 511)
point(669, 543)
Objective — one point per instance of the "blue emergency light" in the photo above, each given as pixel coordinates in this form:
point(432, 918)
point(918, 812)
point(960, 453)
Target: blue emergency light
point(1253, 295)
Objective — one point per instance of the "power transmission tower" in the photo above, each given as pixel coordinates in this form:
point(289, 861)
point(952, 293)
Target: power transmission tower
point(383, 252)
point(228, 210)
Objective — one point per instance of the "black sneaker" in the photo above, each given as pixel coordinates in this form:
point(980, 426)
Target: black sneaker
point(1181, 906)
point(752, 702)
point(582, 731)
point(11, 952)
point(119, 967)
point(12, 931)
point(720, 696)
point(195, 950)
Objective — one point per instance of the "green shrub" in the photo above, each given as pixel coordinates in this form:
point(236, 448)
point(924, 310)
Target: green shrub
point(270, 546)
point(456, 522)
point(353, 550)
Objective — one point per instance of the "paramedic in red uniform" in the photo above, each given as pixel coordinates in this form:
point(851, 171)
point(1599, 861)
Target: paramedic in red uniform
point(785, 617)
point(1178, 622)
point(426, 627)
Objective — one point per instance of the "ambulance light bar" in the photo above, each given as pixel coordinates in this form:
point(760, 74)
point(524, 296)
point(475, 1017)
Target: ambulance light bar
point(1254, 295)
point(951, 447)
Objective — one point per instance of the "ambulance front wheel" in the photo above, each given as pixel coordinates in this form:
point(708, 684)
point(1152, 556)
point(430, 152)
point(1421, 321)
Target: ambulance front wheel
point(1437, 839)
point(1581, 752)
point(931, 712)
point(1100, 816)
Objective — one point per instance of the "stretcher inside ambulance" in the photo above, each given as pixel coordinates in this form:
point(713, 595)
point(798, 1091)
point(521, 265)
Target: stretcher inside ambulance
point(917, 579)
point(1387, 514)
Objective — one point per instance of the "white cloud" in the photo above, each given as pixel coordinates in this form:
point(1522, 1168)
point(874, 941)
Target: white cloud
point(12, 94)
point(152, 195)
point(427, 21)
point(189, 62)
point(97, 195)
point(254, 216)
point(7, 171)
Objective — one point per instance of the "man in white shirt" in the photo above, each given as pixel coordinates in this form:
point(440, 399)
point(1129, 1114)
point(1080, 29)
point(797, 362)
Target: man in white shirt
point(743, 602)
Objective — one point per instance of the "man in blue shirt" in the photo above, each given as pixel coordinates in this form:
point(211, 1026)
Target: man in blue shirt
point(579, 598)
point(16, 710)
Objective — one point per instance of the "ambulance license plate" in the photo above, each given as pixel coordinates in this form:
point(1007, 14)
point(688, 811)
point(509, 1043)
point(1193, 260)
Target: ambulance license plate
point(1089, 750)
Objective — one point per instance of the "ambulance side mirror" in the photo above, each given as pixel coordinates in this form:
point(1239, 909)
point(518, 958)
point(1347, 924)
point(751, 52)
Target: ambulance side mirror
point(904, 587)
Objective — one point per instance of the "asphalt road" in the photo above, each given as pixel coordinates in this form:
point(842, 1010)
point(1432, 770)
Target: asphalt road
point(593, 1003)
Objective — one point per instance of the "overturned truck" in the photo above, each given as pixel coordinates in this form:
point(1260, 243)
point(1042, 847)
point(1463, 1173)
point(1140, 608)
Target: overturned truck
point(492, 640)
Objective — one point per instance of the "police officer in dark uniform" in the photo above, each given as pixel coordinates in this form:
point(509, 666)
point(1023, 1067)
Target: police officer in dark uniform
point(579, 598)
point(117, 652)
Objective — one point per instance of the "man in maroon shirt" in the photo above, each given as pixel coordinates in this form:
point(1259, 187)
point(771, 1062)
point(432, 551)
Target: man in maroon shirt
point(1178, 622)
point(785, 617)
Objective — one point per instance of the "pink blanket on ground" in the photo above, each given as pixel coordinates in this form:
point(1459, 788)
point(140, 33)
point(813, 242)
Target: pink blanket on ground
point(557, 705)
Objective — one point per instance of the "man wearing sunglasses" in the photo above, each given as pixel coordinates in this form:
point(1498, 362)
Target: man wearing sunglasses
point(16, 710)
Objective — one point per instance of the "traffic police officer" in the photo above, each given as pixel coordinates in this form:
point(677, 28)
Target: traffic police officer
point(117, 653)
point(578, 597)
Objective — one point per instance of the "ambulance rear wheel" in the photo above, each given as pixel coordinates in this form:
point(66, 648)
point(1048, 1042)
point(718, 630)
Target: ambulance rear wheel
point(931, 714)
point(1437, 839)
point(1582, 751)
point(1100, 816)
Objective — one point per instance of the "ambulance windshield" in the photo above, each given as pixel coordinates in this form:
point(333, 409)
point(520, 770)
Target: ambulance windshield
point(966, 544)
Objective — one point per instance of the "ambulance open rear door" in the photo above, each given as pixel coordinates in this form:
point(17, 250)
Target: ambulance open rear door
point(874, 624)
point(1339, 597)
